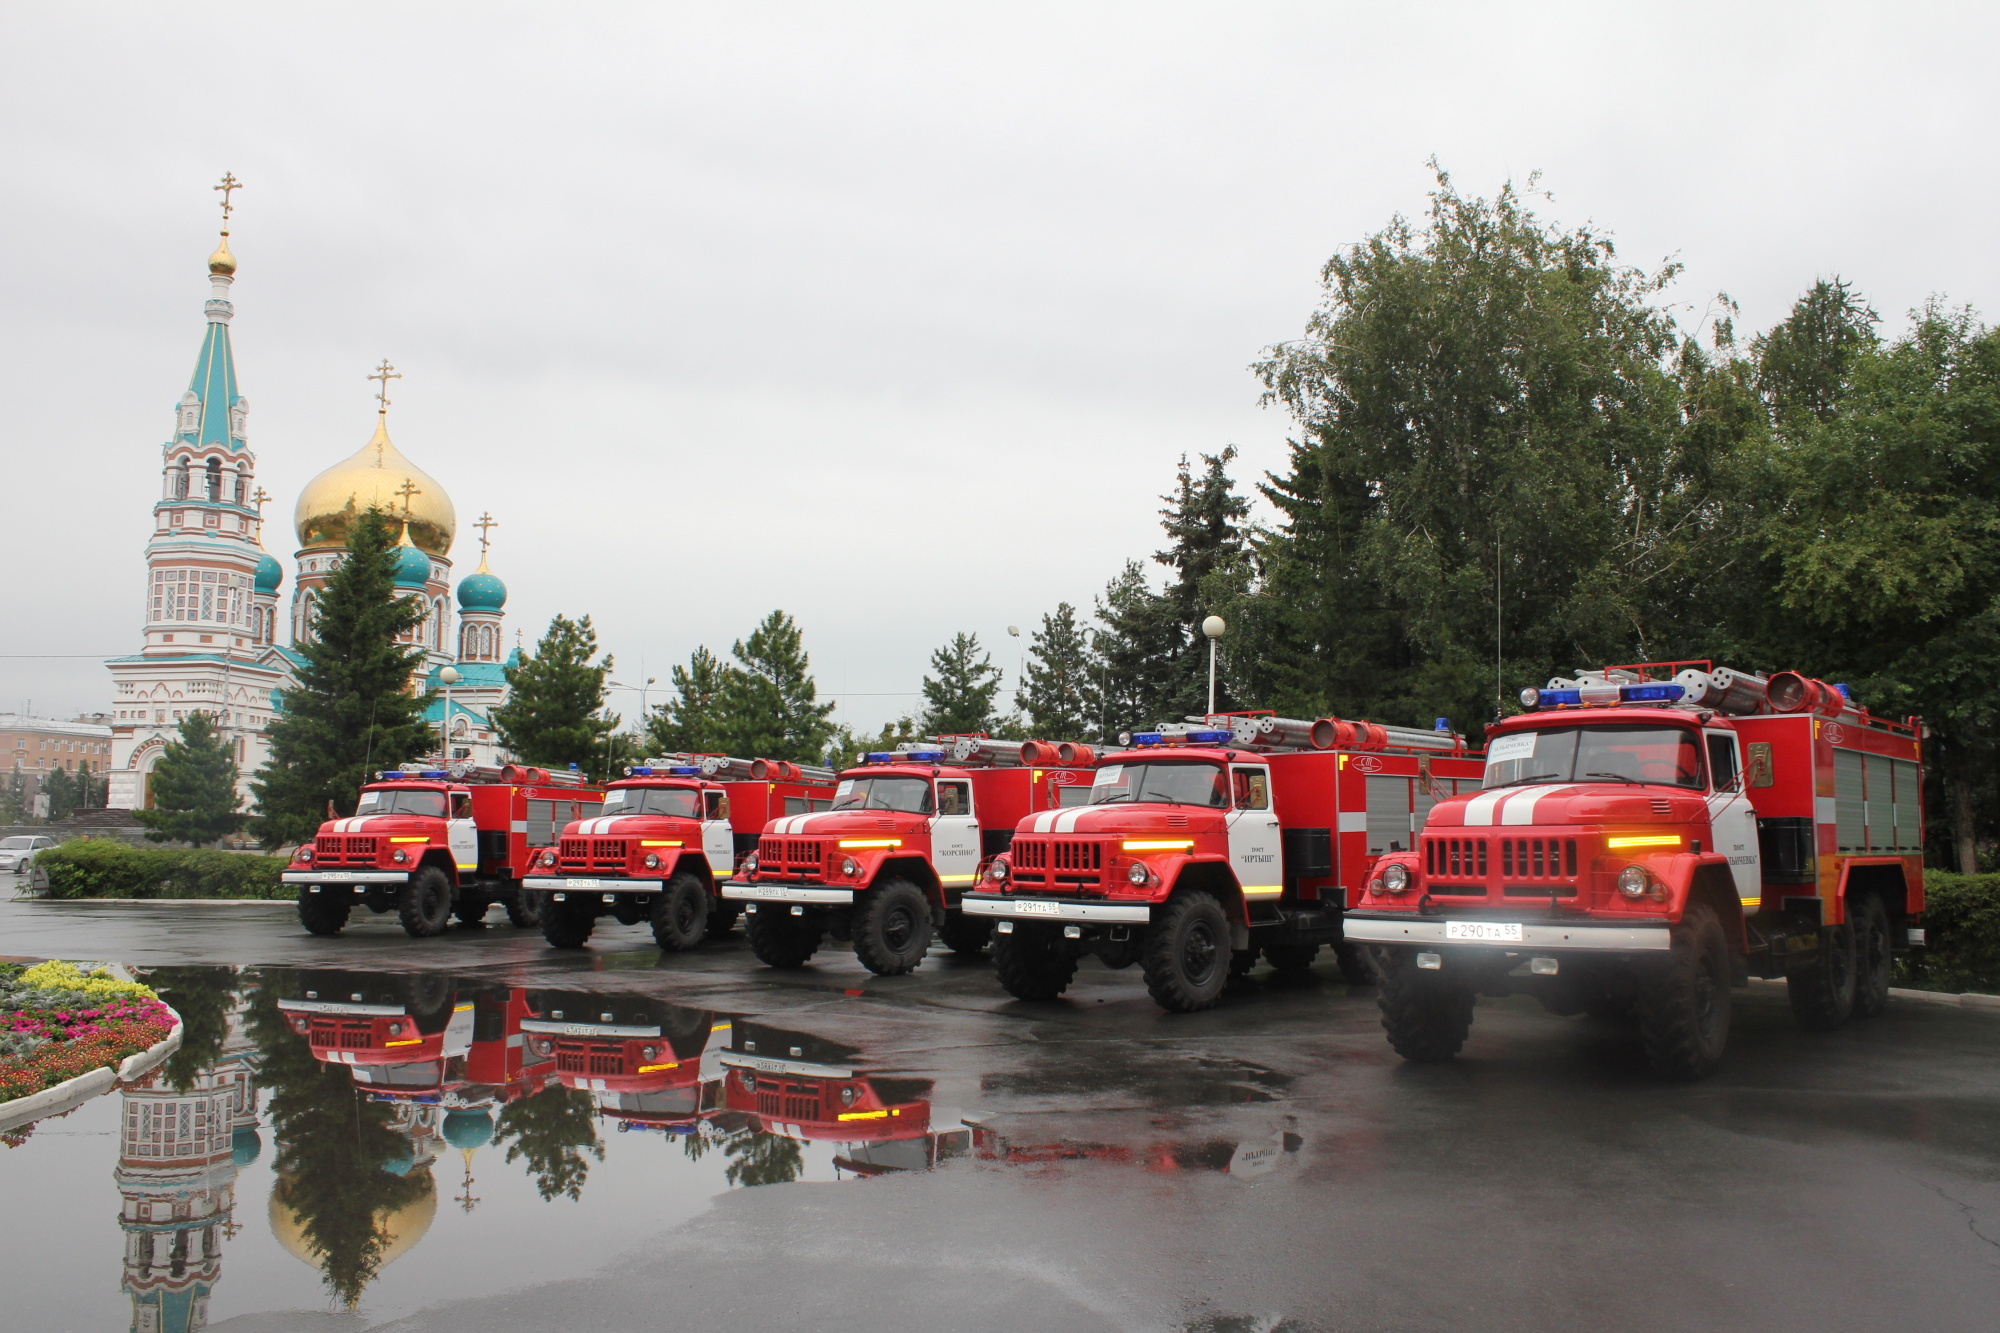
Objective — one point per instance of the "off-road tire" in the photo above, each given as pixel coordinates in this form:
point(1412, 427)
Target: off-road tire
point(1290, 960)
point(525, 907)
point(424, 905)
point(1353, 963)
point(892, 928)
point(470, 909)
point(721, 920)
point(1186, 959)
point(567, 925)
point(1031, 962)
point(779, 939)
point(322, 913)
point(1821, 987)
point(965, 935)
point(1684, 1009)
point(1869, 919)
point(680, 913)
point(1428, 1015)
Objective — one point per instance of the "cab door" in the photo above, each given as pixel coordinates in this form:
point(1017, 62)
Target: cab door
point(954, 838)
point(1731, 819)
point(718, 840)
point(462, 834)
point(1253, 833)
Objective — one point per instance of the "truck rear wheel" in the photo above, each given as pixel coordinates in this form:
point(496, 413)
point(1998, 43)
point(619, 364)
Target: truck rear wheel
point(1031, 964)
point(780, 939)
point(323, 913)
point(1684, 1012)
point(424, 905)
point(567, 925)
point(1427, 1014)
point(1187, 955)
point(680, 913)
point(892, 928)
point(965, 935)
point(524, 907)
point(1291, 959)
point(1872, 954)
point(1821, 986)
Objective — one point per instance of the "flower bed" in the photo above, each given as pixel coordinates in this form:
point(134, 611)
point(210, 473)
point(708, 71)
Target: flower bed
point(58, 1022)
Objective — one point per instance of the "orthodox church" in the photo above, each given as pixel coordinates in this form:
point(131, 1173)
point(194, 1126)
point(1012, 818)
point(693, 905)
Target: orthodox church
point(213, 629)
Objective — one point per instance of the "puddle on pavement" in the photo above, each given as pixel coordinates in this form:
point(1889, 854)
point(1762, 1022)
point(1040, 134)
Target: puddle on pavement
point(320, 1130)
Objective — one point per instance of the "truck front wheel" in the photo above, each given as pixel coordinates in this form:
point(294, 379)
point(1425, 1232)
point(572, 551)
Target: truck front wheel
point(1187, 956)
point(965, 935)
point(1684, 1012)
point(424, 905)
point(892, 928)
point(1031, 964)
point(323, 913)
point(567, 925)
point(1872, 954)
point(1821, 985)
point(1426, 1013)
point(680, 913)
point(780, 939)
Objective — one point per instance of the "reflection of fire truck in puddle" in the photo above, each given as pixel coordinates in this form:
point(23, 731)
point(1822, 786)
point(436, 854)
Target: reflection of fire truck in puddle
point(807, 1088)
point(646, 1063)
point(411, 1037)
point(1258, 1155)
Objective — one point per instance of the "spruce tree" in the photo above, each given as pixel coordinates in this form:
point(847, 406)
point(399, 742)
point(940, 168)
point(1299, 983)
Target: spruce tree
point(692, 721)
point(354, 709)
point(959, 698)
point(194, 788)
point(1063, 694)
point(768, 703)
point(56, 786)
point(553, 715)
point(14, 798)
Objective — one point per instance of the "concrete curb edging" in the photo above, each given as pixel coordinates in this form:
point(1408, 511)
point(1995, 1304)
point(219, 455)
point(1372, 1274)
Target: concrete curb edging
point(71, 1093)
point(1950, 1000)
point(163, 902)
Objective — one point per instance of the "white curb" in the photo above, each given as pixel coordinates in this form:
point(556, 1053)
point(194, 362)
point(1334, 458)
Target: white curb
point(75, 1092)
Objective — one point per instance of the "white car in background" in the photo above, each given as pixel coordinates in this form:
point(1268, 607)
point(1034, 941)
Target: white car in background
point(17, 854)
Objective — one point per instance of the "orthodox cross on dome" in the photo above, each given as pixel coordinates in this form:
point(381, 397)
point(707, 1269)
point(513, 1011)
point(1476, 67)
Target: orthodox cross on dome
point(384, 372)
point(409, 490)
point(229, 185)
point(485, 521)
point(259, 500)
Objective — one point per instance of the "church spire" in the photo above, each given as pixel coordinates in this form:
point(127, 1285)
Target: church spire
point(212, 413)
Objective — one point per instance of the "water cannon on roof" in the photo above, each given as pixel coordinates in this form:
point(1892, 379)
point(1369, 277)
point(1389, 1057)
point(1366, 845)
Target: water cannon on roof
point(1694, 685)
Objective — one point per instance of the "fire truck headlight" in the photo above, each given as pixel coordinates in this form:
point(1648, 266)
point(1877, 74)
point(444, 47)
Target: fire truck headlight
point(750, 864)
point(303, 855)
point(543, 1046)
point(300, 1023)
point(396, 1028)
point(652, 863)
point(1634, 882)
point(650, 1052)
point(549, 857)
point(849, 866)
point(847, 1095)
point(399, 856)
point(749, 1081)
point(1396, 878)
point(1138, 874)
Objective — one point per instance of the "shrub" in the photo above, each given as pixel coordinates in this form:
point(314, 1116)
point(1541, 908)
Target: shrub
point(103, 869)
point(1961, 950)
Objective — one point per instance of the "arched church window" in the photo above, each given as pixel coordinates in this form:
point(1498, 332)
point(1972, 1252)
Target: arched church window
point(242, 486)
point(489, 642)
point(215, 478)
point(181, 481)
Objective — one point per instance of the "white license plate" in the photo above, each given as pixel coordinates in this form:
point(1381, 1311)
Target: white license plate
point(1037, 909)
point(579, 883)
point(577, 1030)
point(1507, 932)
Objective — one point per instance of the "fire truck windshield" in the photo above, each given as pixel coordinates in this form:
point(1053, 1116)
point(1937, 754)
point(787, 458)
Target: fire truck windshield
point(428, 803)
point(1167, 784)
point(1666, 756)
point(678, 802)
point(912, 796)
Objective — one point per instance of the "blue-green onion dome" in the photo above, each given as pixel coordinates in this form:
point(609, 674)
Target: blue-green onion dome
point(269, 573)
point(482, 591)
point(244, 1145)
point(468, 1129)
point(413, 568)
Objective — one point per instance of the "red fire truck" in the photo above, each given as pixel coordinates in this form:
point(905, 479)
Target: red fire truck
point(646, 1062)
point(1647, 837)
point(397, 1032)
point(1208, 842)
point(907, 834)
point(433, 841)
point(667, 835)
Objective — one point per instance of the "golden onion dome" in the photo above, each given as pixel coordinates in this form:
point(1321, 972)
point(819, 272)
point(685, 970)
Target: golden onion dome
point(374, 475)
point(222, 261)
point(400, 1228)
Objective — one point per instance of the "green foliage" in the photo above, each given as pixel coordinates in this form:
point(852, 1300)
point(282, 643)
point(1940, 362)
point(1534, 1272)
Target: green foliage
point(554, 1130)
point(553, 716)
point(102, 868)
point(762, 1159)
point(1063, 695)
point(353, 709)
point(845, 749)
point(692, 722)
point(762, 705)
point(1961, 950)
point(1805, 363)
point(959, 698)
point(70, 790)
point(14, 798)
point(194, 788)
point(203, 997)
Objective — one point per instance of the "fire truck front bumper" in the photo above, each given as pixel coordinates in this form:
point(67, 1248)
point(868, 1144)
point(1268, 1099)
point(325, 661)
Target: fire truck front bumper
point(561, 884)
point(1512, 936)
point(816, 895)
point(1010, 908)
point(316, 878)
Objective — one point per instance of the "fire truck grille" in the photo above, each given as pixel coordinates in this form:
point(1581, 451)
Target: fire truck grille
point(790, 856)
point(1062, 863)
point(598, 1060)
point(788, 1101)
point(348, 1035)
point(1526, 867)
point(1456, 858)
point(345, 851)
point(1552, 861)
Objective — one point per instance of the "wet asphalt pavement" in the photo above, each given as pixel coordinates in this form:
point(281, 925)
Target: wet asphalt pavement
point(1089, 1164)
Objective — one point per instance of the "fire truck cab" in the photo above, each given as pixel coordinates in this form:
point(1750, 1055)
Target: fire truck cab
point(907, 834)
point(645, 1062)
point(668, 834)
point(1647, 837)
point(431, 842)
point(1207, 843)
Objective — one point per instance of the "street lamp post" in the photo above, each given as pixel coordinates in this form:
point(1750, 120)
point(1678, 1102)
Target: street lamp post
point(1213, 627)
point(448, 677)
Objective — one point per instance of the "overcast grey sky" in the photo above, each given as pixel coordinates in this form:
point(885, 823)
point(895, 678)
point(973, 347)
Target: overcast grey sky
point(896, 317)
